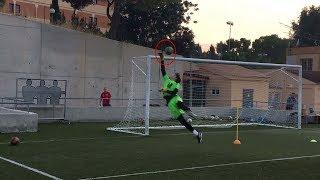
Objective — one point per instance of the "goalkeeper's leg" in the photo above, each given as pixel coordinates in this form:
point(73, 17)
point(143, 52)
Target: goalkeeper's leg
point(190, 128)
point(184, 107)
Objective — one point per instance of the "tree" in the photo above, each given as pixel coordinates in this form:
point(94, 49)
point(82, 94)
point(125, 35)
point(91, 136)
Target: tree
point(222, 48)
point(78, 4)
point(244, 51)
point(184, 41)
point(115, 18)
point(307, 29)
point(223, 51)
point(74, 21)
point(55, 18)
point(211, 53)
point(270, 49)
point(239, 49)
point(92, 28)
point(63, 18)
point(83, 26)
point(145, 22)
point(244, 45)
point(2, 3)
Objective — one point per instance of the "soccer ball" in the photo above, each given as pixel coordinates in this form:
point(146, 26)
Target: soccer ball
point(189, 120)
point(15, 141)
point(168, 50)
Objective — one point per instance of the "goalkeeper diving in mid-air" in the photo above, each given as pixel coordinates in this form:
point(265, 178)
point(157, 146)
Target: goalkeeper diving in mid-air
point(174, 102)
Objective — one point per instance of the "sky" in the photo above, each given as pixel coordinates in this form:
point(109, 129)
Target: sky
point(252, 18)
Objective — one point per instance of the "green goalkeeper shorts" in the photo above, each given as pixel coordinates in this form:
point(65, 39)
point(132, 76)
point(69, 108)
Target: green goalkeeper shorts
point(173, 108)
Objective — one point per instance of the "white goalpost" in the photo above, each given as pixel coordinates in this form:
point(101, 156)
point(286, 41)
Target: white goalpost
point(221, 93)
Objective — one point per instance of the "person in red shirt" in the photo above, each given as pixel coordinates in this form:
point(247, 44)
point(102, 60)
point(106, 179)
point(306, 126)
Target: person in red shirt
point(105, 97)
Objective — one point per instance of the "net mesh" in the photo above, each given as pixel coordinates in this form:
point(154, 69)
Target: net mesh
point(217, 93)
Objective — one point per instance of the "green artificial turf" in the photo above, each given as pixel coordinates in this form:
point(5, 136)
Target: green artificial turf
point(87, 150)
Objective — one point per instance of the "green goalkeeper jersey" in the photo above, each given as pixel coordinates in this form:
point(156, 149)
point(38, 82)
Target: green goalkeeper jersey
point(170, 85)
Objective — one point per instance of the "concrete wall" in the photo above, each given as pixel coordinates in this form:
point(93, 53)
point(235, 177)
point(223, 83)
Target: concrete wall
point(17, 121)
point(89, 63)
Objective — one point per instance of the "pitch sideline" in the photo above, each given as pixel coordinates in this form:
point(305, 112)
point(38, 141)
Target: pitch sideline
point(30, 168)
point(201, 167)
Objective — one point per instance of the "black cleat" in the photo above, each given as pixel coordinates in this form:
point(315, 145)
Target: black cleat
point(199, 138)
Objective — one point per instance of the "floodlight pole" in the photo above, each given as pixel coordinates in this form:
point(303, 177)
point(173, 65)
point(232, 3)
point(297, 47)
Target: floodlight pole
point(230, 23)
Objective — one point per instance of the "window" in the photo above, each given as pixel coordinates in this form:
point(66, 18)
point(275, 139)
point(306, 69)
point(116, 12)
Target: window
point(274, 101)
point(306, 64)
point(247, 98)
point(194, 89)
point(11, 8)
point(216, 92)
point(93, 20)
point(18, 9)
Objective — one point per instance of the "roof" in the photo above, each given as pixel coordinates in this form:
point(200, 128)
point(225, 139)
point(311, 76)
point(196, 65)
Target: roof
point(313, 76)
point(231, 71)
point(305, 81)
point(303, 50)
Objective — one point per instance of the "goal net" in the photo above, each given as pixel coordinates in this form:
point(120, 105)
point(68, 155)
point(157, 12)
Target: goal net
point(219, 92)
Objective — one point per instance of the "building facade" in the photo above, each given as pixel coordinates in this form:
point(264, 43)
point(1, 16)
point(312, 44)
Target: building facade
point(309, 59)
point(220, 85)
point(39, 10)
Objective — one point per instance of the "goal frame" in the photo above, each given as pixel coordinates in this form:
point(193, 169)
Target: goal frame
point(148, 74)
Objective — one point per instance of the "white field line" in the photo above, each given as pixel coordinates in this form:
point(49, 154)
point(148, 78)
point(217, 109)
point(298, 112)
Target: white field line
point(30, 168)
point(201, 167)
point(136, 136)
